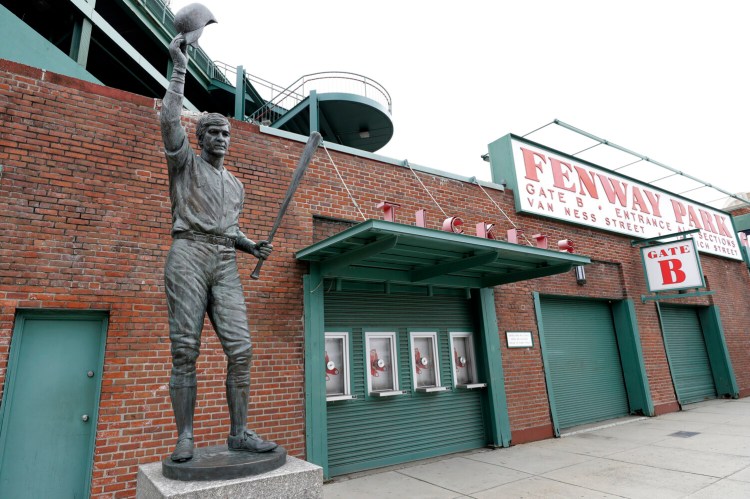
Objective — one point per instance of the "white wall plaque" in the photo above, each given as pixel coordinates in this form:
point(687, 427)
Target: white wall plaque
point(519, 339)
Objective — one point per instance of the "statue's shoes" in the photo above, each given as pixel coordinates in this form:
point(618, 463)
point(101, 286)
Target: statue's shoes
point(249, 441)
point(183, 451)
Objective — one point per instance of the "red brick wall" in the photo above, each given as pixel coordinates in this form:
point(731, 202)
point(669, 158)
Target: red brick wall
point(84, 224)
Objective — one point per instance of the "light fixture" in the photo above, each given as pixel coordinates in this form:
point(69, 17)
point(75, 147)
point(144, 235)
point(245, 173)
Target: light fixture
point(580, 274)
point(364, 133)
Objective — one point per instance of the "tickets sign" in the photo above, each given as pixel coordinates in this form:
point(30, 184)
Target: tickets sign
point(550, 184)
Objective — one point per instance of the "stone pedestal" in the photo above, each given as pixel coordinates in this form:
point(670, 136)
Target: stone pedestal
point(297, 479)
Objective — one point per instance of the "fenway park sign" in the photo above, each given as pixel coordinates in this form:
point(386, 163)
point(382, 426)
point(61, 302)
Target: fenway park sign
point(554, 185)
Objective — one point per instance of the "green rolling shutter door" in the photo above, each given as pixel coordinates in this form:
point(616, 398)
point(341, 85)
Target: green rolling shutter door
point(367, 433)
point(584, 361)
point(686, 351)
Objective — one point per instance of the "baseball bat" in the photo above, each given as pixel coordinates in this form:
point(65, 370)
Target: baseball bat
point(304, 161)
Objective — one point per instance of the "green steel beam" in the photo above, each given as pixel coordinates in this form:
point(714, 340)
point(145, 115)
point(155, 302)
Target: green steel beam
point(718, 354)
point(288, 115)
point(499, 279)
point(658, 297)
point(316, 431)
point(333, 264)
point(453, 266)
point(546, 364)
point(404, 277)
point(641, 242)
point(631, 357)
point(496, 403)
point(239, 95)
point(314, 121)
point(97, 20)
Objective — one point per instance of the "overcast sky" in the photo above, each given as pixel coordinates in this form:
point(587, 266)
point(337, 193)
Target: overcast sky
point(667, 79)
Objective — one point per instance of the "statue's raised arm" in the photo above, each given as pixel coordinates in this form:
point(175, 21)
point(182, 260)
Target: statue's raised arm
point(171, 130)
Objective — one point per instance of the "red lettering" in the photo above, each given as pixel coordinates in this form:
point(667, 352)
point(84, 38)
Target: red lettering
point(559, 176)
point(708, 224)
point(679, 210)
point(613, 188)
point(639, 202)
point(671, 272)
point(453, 224)
point(693, 218)
point(654, 200)
point(389, 210)
point(721, 223)
point(586, 178)
point(531, 165)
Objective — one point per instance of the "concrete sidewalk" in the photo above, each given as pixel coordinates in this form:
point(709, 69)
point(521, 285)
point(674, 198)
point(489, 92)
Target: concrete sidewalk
point(702, 451)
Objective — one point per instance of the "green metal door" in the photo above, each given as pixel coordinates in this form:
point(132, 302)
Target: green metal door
point(687, 355)
point(50, 406)
point(585, 377)
point(367, 433)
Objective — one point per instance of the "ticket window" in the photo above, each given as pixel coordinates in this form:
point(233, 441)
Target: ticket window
point(338, 385)
point(463, 361)
point(381, 364)
point(425, 363)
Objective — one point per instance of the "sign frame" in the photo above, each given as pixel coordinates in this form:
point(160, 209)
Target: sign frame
point(693, 284)
point(676, 213)
point(521, 339)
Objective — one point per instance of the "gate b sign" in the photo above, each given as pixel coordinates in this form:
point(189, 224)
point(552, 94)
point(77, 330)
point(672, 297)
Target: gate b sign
point(672, 266)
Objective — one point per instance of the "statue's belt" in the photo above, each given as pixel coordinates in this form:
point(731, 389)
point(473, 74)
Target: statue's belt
point(205, 238)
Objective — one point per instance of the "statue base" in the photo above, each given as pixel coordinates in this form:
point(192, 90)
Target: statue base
point(294, 479)
point(220, 463)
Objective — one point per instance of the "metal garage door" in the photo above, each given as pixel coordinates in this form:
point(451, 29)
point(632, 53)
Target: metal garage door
point(367, 433)
point(686, 351)
point(583, 361)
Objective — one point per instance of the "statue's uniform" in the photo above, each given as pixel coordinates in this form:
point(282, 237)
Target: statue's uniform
point(201, 270)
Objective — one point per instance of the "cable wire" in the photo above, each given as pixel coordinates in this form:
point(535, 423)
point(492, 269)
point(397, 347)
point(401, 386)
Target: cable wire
point(354, 201)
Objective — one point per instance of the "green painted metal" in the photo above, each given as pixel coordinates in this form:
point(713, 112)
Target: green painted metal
point(239, 95)
point(490, 361)
point(641, 242)
point(742, 222)
point(546, 362)
point(332, 264)
point(542, 271)
point(316, 440)
point(48, 391)
point(631, 357)
point(97, 20)
point(666, 296)
point(369, 432)
point(312, 103)
point(582, 361)
point(718, 354)
point(346, 114)
point(686, 353)
point(419, 250)
point(453, 266)
point(32, 49)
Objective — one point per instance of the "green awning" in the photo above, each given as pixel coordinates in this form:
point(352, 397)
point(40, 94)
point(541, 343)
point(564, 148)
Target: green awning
point(376, 250)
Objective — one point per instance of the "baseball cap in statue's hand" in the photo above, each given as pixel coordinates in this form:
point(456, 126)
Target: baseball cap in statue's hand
point(190, 21)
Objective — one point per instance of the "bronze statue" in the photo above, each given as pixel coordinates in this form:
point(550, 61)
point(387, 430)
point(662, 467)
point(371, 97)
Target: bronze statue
point(201, 271)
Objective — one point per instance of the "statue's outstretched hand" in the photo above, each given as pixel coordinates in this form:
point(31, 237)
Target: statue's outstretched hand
point(263, 249)
point(178, 51)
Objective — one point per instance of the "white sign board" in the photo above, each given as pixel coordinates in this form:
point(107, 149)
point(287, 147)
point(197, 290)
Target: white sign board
point(519, 339)
point(672, 266)
point(554, 185)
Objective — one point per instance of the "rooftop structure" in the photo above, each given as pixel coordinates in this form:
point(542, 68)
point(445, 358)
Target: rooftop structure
point(124, 44)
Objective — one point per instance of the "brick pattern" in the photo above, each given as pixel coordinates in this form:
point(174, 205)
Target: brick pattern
point(85, 225)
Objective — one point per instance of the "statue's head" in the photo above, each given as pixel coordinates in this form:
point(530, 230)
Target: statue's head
point(207, 120)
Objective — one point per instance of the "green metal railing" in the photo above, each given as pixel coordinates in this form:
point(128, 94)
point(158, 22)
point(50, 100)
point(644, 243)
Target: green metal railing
point(327, 81)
